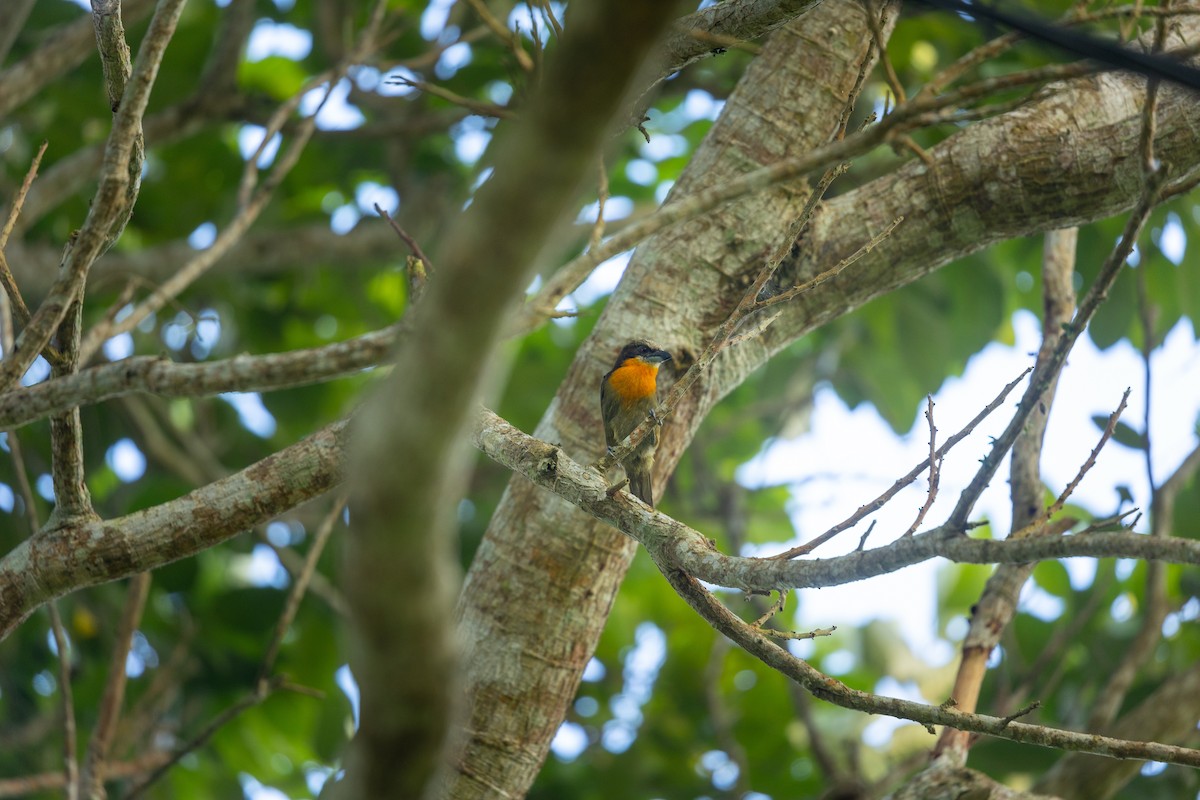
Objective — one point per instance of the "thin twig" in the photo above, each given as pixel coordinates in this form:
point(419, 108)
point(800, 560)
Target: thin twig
point(1042, 377)
point(862, 540)
point(9, 284)
point(934, 470)
point(279, 117)
point(1029, 709)
point(798, 635)
point(878, 503)
point(108, 207)
point(772, 610)
point(299, 587)
point(319, 585)
point(876, 19)
point(246, 214)
point(70, 737)
point(49, 781)
point(479, 107)
point(249, 701)
point(71, 771)
point(92, 779)
point(419, 265)
point(1109, 429)
point(601, 199)
point(510, 38)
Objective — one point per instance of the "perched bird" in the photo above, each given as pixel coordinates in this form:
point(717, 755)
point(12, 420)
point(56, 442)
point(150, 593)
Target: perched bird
point(628, 393)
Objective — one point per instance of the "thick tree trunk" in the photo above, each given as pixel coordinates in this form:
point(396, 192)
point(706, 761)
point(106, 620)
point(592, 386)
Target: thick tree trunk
point(539, 591)
point(545, 576)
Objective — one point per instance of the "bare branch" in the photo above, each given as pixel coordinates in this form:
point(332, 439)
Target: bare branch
point(1044, 375)
point(299, 587)
point(17, 12)
point(418, 273)
point(878, 503)
point(7, 282)
point(251, 204)
point(59, 561)
point(934, 472)
point(261, 693)
point(831, 690)
point(92, 780)
point(161, 376)
point(692, 551)
point(63, 50)
point(997, 605)
point(109, 203)
point(508, 37)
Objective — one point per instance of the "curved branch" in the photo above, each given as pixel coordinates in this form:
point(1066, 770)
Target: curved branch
point(694, 553)
point(834, 691)
point(55, 562)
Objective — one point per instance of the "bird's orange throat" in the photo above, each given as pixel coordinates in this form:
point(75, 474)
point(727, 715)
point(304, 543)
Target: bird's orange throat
point(634, 380)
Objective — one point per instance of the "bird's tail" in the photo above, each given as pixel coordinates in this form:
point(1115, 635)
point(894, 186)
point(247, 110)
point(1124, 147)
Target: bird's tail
point(640, 485)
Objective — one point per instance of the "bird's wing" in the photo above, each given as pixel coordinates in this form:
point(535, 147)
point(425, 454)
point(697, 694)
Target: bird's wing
point(609, 410)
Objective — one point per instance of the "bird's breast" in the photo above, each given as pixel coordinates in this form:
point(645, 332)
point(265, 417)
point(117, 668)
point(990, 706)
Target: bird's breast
point(634, 382)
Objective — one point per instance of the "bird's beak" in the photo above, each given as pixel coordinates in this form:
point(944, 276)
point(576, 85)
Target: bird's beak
point(657, 357)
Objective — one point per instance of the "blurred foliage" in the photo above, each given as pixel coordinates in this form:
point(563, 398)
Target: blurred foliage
point(647, 724)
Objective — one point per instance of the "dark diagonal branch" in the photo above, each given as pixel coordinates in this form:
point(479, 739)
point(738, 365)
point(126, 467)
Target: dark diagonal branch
point(1047, 371)
point(834, 691)
point(997, 605)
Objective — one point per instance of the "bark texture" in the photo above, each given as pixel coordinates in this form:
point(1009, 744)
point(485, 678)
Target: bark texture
point(411, 454)
point(545, 576)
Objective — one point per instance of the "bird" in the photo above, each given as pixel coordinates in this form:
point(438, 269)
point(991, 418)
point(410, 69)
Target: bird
point(628, 394)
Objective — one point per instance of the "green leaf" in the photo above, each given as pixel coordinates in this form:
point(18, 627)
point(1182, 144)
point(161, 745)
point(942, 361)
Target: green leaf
point(277, 76)
point(1053, 577)
point(1123, 433)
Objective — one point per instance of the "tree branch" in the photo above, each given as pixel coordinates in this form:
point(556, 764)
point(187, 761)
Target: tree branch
point(112, 200)
point(997, 606)
point(689, 550)
point(63, 50)
point(91, 780)
point(161, 376)
point(403, 653)
point(62, 560)
point(834, 691)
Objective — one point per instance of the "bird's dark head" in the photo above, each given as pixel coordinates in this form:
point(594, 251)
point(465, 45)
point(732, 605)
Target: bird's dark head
point(644, 351)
